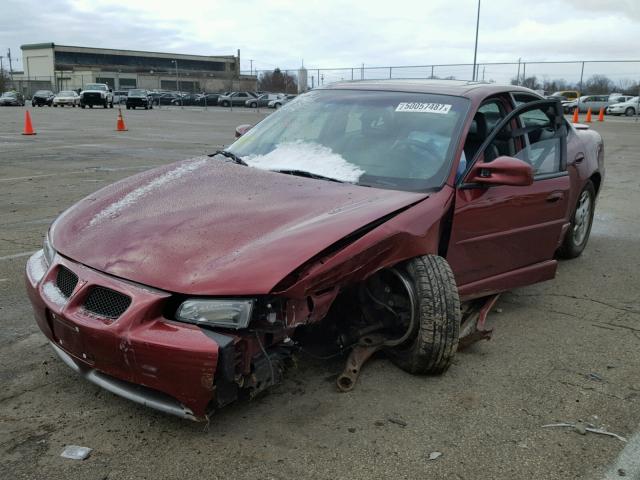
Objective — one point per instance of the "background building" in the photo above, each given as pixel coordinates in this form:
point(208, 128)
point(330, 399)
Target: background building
point(61, 67)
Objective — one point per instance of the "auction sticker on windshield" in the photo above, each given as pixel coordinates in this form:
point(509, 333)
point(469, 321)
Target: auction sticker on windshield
point(442, 108)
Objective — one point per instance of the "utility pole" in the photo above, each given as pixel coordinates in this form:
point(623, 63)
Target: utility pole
point(178, 84)
point(10, 65)
point(475, 50)
point(251, 67)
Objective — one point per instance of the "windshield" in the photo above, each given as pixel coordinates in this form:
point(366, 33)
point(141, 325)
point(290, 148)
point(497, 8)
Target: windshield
point(66, 93)
point(43, 92)
point(137, 92)
point(9, 94)
point(96, 86)
point(391, 140)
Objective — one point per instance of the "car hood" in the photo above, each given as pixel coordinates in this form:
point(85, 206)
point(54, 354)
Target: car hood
point(209, 227)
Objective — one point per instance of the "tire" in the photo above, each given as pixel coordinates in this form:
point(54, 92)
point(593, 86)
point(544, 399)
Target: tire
point(434, 342)
point(146, 107)
point(33, 104)
point(106, 105)
point(225, 104)
point(577, 236)
point(82, 105)
point(55, 106)
point(90, 106)
point(630, 112)
point(277, 106)
point(151, 106)
point(128, 107)
point(254, 105)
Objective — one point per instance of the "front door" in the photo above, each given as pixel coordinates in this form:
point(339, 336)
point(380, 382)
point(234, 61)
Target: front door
point(500, 229)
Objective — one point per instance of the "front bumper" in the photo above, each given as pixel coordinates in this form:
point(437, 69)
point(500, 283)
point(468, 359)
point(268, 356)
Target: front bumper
point(92, 99)
point(137, 102)
point(141, 355)
point(65, 102)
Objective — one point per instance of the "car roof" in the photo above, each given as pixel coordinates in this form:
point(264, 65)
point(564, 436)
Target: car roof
point(460, 88)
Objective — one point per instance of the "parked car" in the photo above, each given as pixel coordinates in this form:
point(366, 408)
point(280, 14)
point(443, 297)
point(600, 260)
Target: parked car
point(386, 214)
point(278, 102)
point(566, 94)
point(208, 99)
point(120, 97)
point(138, 97)
point(595, 102)
point(629, 107)
point(12, 98)
point(66, 97)
point(41, 98)
point(235, 98)
point(189, 99)
point(164, 98)
point(262, 100)
point(96, 94)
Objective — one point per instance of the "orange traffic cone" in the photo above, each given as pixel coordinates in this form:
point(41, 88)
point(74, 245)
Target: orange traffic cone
point(601, 115)
point(120, 126)
point(575, 115)
point(28, 128)
point(588, 120)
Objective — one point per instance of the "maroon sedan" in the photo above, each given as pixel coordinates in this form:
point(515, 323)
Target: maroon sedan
point(390, 214)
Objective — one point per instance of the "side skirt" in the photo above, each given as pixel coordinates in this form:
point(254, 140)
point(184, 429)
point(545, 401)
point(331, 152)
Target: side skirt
point(502, 282)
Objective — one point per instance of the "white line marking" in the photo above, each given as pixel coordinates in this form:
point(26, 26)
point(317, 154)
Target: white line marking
point(628, 460)
point(18, 255)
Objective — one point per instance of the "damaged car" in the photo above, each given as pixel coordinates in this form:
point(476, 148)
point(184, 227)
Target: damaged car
point(388, 213)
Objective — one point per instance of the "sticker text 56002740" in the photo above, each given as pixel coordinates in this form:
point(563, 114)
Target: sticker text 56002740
point(442, 108)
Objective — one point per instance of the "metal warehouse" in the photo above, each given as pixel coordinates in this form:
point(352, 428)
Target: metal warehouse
point(48, 65)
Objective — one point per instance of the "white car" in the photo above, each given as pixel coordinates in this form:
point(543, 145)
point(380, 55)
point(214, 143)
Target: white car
point(277, 103)
point(66, 97)
point(629, 107)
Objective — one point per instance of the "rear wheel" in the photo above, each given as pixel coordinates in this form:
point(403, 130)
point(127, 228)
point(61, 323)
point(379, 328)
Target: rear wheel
point(577, 237)
point(630, 112)
point(431, 340)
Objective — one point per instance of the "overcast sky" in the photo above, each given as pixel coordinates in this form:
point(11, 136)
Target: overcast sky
point(339, 33)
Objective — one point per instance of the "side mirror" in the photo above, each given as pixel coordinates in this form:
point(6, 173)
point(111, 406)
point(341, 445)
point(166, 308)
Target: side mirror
point(502, 171)
point(242, 129)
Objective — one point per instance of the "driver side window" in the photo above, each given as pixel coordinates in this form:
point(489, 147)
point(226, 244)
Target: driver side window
point(531, 137)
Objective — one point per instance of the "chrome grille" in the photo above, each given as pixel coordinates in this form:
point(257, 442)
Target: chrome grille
point(106, 302)
point(66, 281)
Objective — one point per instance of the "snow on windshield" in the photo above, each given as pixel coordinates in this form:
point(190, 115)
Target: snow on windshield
point(309, 157)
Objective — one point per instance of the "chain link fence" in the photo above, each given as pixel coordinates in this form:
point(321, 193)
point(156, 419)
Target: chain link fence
point(587, 76)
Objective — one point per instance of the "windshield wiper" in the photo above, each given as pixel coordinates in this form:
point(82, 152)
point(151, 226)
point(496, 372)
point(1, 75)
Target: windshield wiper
point(304, 173)
point(235, 158)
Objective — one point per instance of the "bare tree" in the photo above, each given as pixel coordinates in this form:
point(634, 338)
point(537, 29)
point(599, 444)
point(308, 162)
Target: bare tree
point(599, 84)
point(277, 81)
point(4, 81)
point(529, 82)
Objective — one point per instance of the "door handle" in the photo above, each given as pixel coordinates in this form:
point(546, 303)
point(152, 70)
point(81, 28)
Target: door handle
point(555, 196)
point(579, 158)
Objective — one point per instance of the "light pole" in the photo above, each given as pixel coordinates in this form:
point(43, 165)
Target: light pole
point(475, 50)
point(175, 62)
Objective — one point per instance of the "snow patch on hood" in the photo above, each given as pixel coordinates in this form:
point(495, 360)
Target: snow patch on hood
point(309, 157)
point(132, 197)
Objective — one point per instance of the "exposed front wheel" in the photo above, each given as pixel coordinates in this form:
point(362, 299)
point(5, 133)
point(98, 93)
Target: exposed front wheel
point(424, 298)
point(577, 236)
point(630, 112)
point(225, 104)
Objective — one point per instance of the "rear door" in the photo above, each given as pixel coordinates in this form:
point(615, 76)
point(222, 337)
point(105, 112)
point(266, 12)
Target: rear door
point(499, 229)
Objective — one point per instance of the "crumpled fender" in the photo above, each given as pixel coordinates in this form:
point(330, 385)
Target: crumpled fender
point(412, 232)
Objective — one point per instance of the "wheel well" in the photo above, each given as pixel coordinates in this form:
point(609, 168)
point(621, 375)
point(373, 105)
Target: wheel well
point(596, 179)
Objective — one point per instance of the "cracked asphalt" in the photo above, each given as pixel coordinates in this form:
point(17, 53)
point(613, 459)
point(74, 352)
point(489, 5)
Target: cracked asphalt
point(564, 351)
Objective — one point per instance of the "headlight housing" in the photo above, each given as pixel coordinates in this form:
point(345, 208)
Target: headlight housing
point(49, 252)
point(226, 313)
